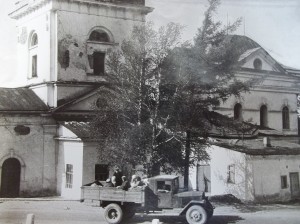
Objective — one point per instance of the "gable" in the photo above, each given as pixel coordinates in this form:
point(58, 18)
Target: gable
point(252, 58)
point(96, 99)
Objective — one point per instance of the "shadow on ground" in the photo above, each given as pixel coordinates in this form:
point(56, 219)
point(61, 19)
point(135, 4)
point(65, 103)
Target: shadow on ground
point(218, 219)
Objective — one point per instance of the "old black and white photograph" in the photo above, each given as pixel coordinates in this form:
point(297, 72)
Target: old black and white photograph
point(150, 112)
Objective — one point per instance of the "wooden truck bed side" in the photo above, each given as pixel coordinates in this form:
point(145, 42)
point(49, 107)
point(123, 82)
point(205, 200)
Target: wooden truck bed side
point(113, 194)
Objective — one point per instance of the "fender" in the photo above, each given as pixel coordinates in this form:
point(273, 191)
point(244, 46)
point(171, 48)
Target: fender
point(201, 203)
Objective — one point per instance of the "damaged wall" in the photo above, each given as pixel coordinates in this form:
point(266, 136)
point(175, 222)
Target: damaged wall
point(35, 149)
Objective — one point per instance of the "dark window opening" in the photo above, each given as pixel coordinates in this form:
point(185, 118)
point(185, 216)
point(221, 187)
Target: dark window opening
point(101, 103)
point(163, 186)
point(34, 40)
point(231, 174)
point(257, 64)
point(99, 36)
point(101, 172)
point(66, 60)
point(97, 62)
point(264, 116)
point(238, 112)
point(69, 176)
point(284, 182)
point(34, 66)
point(285, 118)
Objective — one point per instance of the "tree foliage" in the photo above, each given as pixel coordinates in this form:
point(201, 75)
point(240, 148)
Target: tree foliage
point(160, 115)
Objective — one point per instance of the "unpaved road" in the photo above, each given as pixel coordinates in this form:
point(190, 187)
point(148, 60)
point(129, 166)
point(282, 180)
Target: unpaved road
point(74, 212)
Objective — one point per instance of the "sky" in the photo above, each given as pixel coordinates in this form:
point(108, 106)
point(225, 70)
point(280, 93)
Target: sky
point(274, 24)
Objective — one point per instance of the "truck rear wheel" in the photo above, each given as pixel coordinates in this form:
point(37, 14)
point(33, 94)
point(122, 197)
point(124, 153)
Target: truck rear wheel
point(196, 214)
point(113, 214)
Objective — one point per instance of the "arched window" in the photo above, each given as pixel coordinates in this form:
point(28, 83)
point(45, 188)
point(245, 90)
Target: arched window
point(238, 112)
point(33, 57)
point(34, 40)
point(99, 40)
point(285, 118)
point(99, 36)
point(264, 116)
point(257, 64)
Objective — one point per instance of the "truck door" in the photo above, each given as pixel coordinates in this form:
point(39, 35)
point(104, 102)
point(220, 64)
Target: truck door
point(164, 193)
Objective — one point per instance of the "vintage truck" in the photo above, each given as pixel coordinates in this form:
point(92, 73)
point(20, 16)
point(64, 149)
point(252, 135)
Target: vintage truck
point(161, 194)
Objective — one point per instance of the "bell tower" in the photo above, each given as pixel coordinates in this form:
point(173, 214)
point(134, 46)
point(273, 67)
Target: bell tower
point(62, 44)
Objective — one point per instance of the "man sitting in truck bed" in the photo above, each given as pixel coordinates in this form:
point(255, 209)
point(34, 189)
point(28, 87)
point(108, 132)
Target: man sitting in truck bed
point(125, 184)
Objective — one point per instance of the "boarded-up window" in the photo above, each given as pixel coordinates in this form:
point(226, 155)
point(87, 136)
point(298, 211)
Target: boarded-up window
point(231, 174)
point(285, 118)
point(101, 172)
point(69, 176)
point(283, 182)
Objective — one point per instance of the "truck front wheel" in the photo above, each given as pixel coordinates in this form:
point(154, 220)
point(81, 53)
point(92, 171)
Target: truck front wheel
point(196, 214)
point(113, 214)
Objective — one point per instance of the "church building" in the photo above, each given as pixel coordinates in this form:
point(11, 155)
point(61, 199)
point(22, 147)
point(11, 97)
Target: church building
point(62, 45)
point(61, 52)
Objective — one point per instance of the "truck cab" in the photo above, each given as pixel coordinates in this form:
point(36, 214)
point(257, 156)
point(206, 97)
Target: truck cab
point(165, 187)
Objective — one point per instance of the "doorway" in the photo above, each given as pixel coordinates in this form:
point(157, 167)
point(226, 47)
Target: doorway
point(10, 178)
point(295, 189)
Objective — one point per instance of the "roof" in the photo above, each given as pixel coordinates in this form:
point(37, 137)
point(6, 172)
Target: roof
point(243, 43)
point(256, 147)
point(20, 99)
point(81, 129)
point(248, 53)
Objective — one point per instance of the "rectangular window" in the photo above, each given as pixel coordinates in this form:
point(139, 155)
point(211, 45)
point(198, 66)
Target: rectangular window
point(98, 63)
point(34, 66)
point(283, 182)
point(69, 176)
point(231, 174)
point(101, 172)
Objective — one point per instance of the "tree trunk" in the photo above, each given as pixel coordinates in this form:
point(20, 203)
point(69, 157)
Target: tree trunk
point(187, 159)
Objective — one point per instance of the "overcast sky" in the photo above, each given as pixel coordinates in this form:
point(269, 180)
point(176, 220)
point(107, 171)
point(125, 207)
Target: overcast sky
point(274, 24)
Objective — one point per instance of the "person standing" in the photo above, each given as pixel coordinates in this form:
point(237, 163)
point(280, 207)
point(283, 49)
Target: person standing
point(118, 174)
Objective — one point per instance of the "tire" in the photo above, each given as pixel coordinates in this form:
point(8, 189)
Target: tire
point(196, 214)
point(113, 214)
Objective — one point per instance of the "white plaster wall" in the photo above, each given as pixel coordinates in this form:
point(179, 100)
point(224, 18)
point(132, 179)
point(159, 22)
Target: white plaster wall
point(221, 158)
point(267, 172)
point(275, 101)
point(38, 21)
point(70, 152)
point(37, 151)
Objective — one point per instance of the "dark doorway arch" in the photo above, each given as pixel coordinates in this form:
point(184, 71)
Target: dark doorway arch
point(264, 116)
point(10, 178)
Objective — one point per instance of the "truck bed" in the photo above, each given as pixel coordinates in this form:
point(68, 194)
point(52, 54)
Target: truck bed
point(136, 195)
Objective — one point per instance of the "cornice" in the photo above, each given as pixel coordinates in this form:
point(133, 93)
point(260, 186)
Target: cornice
point(27, 8)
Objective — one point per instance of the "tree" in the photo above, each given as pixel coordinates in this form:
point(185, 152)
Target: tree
point(166, 91)
point(129, 125)
point(202, 76)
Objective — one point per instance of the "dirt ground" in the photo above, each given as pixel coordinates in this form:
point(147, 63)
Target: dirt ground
point(67, 212)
